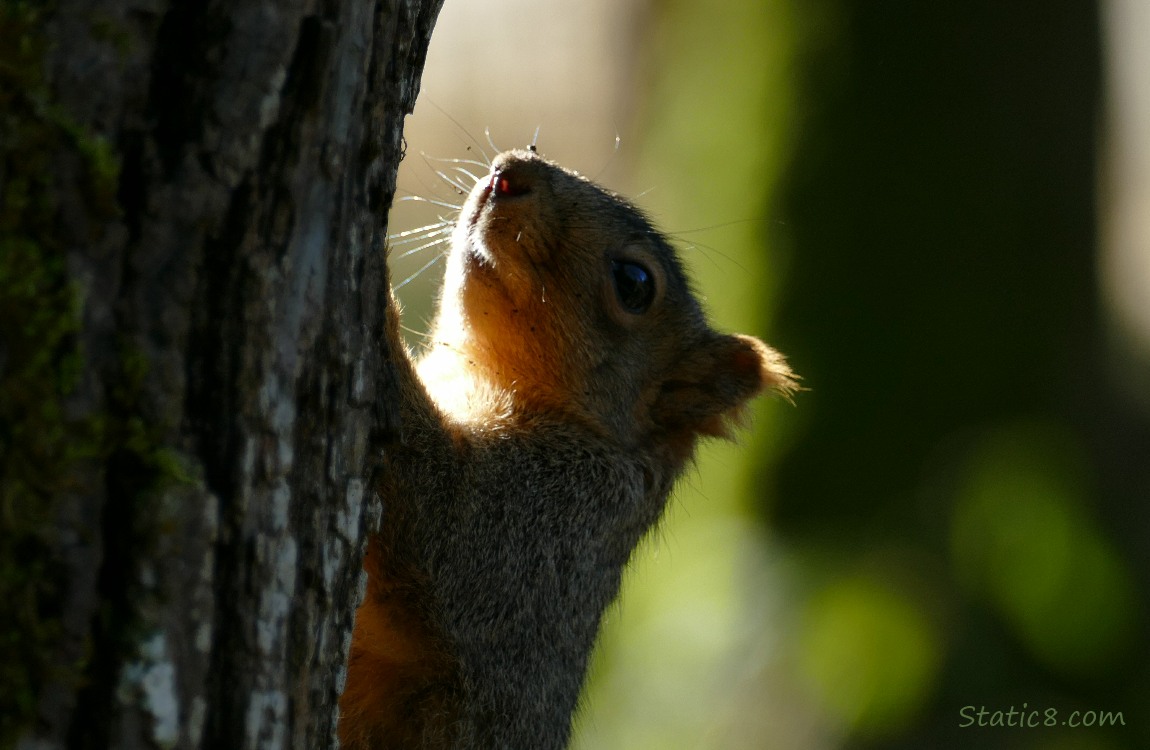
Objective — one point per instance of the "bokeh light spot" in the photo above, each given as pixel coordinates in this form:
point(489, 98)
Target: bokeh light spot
point(870, 654)
point(1023, 540)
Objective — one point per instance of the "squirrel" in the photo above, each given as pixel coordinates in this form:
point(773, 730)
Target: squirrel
point(570, 374)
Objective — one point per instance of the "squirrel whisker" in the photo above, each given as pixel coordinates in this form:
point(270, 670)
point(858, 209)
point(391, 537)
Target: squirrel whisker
point(427, 230)
point(459, 186)
point(415, 275)
point(421, 199)
point(473, 162)
point(474, 179)
point(487, 132)
point(414, 250)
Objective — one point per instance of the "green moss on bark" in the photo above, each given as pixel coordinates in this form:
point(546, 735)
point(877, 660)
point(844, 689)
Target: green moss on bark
point(39, 446)
point(43, 446)
point(39, 363)
point(53, 448)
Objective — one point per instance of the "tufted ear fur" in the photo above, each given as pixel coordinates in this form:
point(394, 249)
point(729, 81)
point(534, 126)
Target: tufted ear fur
point(707, 392)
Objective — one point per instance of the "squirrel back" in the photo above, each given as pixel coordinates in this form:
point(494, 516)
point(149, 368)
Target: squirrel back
point(570, 374)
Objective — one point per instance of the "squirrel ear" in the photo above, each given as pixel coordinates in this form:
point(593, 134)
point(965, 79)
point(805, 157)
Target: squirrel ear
point(708, 390)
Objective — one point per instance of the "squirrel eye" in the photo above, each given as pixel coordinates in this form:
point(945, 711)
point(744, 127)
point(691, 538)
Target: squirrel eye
point(634, 285)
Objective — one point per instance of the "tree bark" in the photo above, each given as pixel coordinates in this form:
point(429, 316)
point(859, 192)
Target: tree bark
point(194, 387)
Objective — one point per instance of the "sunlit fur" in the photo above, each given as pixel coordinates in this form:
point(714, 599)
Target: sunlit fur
point(542, 435)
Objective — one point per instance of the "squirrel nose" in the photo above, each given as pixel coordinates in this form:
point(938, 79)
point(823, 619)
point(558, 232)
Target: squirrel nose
point(510, 178)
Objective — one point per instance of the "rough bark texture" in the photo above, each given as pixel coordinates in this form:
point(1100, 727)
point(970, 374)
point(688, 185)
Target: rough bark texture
point(209, 185)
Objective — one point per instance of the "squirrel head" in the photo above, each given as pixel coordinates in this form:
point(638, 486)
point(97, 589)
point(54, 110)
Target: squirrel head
point(560, 297)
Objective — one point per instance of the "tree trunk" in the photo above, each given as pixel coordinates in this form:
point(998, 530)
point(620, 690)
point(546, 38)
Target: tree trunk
point(193, 383)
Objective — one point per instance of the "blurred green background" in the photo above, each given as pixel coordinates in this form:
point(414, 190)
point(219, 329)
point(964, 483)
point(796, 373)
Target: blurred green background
point(910, 200)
